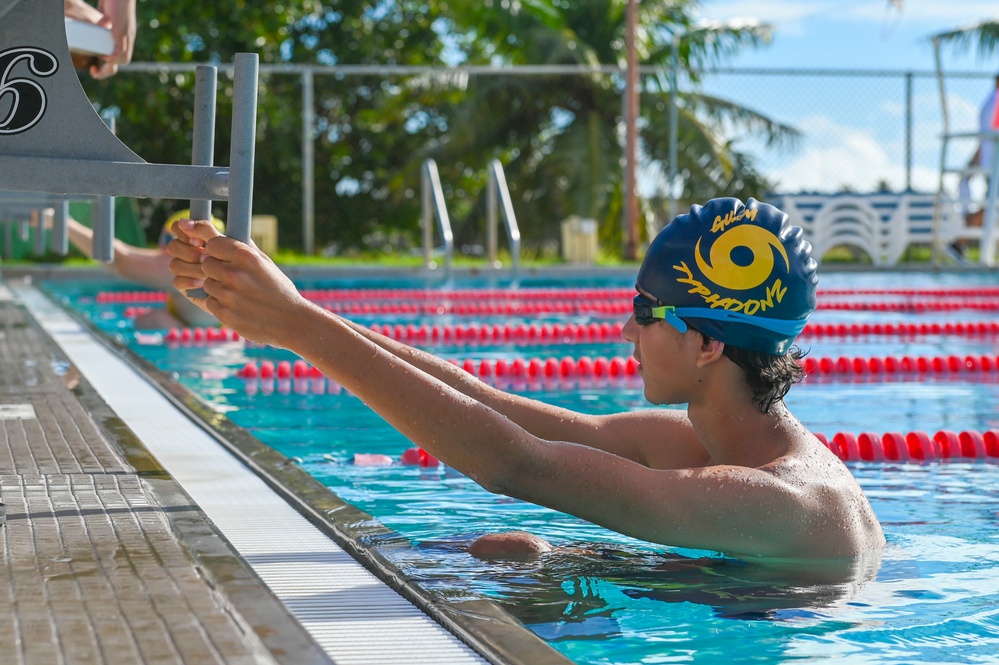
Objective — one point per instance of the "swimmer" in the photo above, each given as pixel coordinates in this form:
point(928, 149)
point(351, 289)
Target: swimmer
point(149, 267)
point(721, 295)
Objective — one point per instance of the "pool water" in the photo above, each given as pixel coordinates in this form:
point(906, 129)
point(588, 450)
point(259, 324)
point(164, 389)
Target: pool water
point(605, 598)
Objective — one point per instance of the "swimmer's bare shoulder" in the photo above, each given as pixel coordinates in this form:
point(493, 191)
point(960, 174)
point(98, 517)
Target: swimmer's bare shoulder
point(836, 519)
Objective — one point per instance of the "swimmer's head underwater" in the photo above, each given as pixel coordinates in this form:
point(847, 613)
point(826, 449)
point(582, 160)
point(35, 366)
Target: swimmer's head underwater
point(737, 273)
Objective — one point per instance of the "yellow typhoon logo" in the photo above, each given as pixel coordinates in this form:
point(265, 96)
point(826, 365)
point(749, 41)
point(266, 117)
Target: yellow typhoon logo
point(726, 273)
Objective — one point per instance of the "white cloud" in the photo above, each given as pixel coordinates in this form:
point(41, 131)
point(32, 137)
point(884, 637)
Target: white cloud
point(939, 14)
point(919, 16)
point(835, 157)
point(786, 16)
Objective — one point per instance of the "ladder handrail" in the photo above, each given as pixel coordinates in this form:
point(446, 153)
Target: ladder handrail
point(497, 190)
point(432, 196)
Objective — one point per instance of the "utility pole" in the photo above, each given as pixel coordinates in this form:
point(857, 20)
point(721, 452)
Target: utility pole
point(631, 138)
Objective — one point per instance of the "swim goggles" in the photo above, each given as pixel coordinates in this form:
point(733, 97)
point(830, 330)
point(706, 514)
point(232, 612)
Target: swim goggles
point(648, 310)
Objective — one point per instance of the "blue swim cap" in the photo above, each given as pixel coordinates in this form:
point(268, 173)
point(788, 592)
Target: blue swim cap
point(740, 274)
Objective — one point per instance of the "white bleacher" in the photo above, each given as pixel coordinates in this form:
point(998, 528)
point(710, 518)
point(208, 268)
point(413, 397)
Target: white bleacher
point(882, 225)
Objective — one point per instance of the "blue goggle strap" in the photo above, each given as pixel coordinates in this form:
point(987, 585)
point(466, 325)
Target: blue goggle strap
point(787, 328)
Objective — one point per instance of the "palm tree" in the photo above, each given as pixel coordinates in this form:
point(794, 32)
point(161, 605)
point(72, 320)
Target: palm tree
point(560, 136)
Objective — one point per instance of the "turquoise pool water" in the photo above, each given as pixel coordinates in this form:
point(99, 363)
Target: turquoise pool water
point(604, 598)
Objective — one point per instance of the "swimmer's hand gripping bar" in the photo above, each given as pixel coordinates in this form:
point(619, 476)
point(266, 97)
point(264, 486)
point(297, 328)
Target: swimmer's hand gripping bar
point(244, 134)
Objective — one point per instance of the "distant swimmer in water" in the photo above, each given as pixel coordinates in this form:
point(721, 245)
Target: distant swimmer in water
point(722, 294)
point(149, 267)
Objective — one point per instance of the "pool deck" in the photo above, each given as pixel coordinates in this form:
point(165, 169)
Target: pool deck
point(115, 550)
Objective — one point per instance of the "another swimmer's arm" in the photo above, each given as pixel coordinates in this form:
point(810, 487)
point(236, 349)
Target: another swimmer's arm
point(149, 267)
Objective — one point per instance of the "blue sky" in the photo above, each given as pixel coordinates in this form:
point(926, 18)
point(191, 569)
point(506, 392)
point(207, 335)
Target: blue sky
point(856, 143)
point(867, 34)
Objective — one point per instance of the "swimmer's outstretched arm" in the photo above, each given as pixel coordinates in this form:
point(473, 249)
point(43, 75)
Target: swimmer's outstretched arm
point(673, 444)
point(626, 434)
point(723, 508)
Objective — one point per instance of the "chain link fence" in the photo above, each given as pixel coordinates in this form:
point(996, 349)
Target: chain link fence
point(342, 171)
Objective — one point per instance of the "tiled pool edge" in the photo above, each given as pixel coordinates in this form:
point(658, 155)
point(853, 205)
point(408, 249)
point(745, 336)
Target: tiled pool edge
point(480, 624)
point(263, 617)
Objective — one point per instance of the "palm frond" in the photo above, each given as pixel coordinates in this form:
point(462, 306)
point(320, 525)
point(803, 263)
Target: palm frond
point(746, 120)
point(983, 33)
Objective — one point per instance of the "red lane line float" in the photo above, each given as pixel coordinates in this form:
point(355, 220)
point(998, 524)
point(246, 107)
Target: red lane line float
point(200, 335)
point(985, 305)
point(567, 294)
point(965, 292)
point(913, 446)
point(619, 367)
point(891, 365)
point(575, 333)
point(130, 296)
point(959, 328)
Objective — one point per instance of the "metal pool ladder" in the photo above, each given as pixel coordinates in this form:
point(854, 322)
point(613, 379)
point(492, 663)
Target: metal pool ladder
point(498, 192)
point(433, 205)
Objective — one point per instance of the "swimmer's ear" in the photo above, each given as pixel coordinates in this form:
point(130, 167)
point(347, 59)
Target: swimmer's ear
point(711, 351)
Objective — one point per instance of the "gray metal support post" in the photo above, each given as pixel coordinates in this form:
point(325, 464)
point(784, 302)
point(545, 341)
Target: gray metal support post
point(39, 247)
point(60, 228)
point(308, 162)
point(241, 152)
point(244, 136)
point(908, 131)
point(492, 223)
point(102, 224)
point(203, 143)
point(673, 127)
point(102, 221)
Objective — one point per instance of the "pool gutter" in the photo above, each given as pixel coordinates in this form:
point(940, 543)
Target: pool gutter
point(481, 624)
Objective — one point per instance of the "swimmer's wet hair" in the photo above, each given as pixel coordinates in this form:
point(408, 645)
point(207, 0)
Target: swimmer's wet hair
point(769, 376)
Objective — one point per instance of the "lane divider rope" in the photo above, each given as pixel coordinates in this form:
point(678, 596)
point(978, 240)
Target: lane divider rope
point(620, 367)
point(331, 295)
point(568, 333)
point(918, 445)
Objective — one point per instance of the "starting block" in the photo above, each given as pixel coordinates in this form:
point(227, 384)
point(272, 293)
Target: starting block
point(53, 142)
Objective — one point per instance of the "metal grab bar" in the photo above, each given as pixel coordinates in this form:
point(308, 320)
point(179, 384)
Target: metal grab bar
point(432, 195)
point(497, 190)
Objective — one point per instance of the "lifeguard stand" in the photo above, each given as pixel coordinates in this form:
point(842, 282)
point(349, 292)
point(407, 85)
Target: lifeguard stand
point(53, 142)
point(988, 233)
